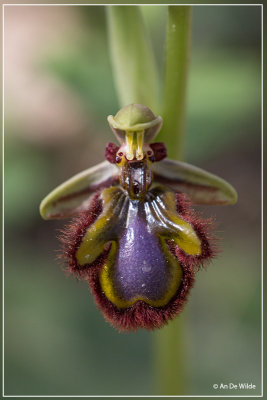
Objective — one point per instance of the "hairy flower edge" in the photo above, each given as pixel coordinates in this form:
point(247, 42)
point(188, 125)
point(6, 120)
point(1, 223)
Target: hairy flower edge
point(140, 314)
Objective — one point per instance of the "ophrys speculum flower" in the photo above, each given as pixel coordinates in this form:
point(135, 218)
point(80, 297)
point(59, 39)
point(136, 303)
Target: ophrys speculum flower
point(134, 236)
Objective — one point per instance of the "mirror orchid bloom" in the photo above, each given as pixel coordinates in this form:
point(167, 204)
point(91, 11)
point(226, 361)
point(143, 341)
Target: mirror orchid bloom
point(133, 234)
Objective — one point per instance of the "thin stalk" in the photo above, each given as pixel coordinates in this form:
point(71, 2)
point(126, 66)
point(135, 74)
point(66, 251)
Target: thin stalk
point(133, 63)
point(170, 341)
point(136, 81)
point(170, 358)
point(175, 80)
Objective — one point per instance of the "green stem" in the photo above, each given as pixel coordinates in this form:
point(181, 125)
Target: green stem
point(175, 82)
point(136, 81)
point(132, 58)
point(170, 357)
point(170, 343)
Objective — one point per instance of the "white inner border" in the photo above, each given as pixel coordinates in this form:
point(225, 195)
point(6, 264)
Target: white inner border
point(140, 4)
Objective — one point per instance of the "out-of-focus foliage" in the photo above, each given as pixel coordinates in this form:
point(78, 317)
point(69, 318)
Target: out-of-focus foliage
point(58, 92)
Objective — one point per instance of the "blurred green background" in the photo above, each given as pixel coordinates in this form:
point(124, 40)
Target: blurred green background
point(58, 92)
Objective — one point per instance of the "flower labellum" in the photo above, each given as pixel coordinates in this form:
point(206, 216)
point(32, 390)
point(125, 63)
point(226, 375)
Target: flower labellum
point(134, 236)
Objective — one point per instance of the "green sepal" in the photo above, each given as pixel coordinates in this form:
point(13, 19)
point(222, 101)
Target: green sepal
point(73, 196)
point(201, 186)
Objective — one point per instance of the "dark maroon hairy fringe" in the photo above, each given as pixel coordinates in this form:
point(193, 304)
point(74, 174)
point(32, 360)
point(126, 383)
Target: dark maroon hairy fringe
point(159, 150)
point(205, 231)
point(139, 315)
point(111, 152)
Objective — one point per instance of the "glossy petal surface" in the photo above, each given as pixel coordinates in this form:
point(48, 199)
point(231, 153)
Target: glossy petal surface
point(140, 265)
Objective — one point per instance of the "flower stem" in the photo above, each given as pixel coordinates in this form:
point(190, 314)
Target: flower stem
point(170, 341)
point(170, 359)
point(133, 63)
point(136, 81)
point(175, 81)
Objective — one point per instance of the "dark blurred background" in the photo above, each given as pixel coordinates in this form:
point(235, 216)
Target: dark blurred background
point(58, 92)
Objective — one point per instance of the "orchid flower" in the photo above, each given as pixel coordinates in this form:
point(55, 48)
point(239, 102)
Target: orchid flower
point(134, 236)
